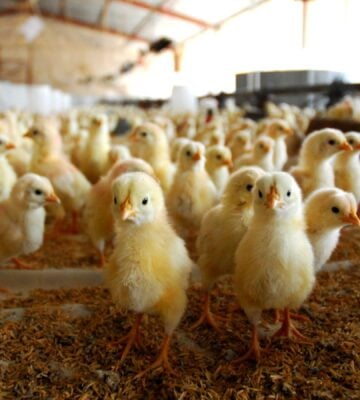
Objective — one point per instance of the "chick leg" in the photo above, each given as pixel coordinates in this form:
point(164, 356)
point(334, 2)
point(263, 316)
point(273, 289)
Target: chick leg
point(130, 338)
point(161, 361)
point(102, 258)
point(207, 317)
point(254, 350)
point(294, 316)
point(74, 226)
point(288, 330)
point(18, 264)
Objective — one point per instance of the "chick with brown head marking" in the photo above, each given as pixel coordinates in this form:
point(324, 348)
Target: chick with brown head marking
point(218, 163)
point(192, 193)
point(7, 174)
point(149, 269)
point(262, 155)
point(327, 211)
point(274, 260)
point(222, 229)
point(314, 170)
point(149, 142)
point(347, 166)
point(22, 217)
point(98, 216)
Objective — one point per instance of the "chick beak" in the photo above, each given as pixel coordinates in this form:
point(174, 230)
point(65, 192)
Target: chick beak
point(345, 146)
point(357, 147)
point(197, 156)
point(289, 131)
point(126, 209)
point(10, 146)
point(229, 163)
point(96, 122)
point(266, 148)
point(133, 137)
point(352, 219)
point(272, 198)
point(28, 135)
point(52, 198)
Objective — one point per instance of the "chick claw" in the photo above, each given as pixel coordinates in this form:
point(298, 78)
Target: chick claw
point(18, 264)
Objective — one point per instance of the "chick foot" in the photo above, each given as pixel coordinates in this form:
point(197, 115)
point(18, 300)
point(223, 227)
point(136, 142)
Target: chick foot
point(18, 264)
point(254, 350)
point(207, 317)
point(288, 330)
point(101, 258)
point(294, 316)
point(161, 361)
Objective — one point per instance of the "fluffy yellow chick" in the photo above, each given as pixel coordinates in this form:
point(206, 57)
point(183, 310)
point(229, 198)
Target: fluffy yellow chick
point(149, 142)
point(274, 260)
point(347, 166)
point(240, 143)
point(262, 155)
point(70, 184)
point(7, 174)
point(193, 193)
point(279, 131)
point(326, 212)
point(98, 217)
point(314, 170)
point(96, 153)
point(22, 217)
point(218, 162)
point(149, 270)
point(221, 230)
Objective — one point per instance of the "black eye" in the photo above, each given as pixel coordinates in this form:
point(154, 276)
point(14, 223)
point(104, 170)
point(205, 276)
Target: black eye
point(261, 145)
point(143, 134)
point(145, 201)
point(249, 187)
point(351, 141)
point(38, 192)
point(260, 194)
point(188, 153)
point(35, 132)
point(288, 194)
point(115, 200)
point(218, 157)
point(335, 210)
point(332, 142)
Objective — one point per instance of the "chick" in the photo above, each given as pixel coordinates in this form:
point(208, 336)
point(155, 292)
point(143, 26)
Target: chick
point(274, 260)
point(193, 193)
point(222, 228)
point(347, 166)
point(149, 142)
point(262, 155)
point(98, 217)
point(95, 160)
point(176, 146)
point(70, 184)
point(7, 174)
point(240, 143)
point(279, 130)
point(314, 170)
point(326, 212)
point(218, 163)
point(22, 217)
point(149, 269)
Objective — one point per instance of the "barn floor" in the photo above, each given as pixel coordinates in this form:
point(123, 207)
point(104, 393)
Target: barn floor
point(57, 344)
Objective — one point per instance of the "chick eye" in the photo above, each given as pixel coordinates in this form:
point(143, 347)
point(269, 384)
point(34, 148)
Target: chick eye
point(35, 132)
point(351, 141)
point(38, 192)
point(115, 200)
point(188, 153)
point(145, 201)
point(260, 194)
point(249, 187)
point(261, 146)
point(143, 134)
point(335, 210)
point(332, 142)
point(218, 157)
point(288, 194)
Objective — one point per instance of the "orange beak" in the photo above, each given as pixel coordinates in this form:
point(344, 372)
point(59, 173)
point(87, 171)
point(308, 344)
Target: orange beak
point(96, 122)
point(52, 198)
point(266, 148)
point(352, 219)
point(10, 146)
point(229, 163)
point(126, 209)
point(28, 135)
point(134, 137)
point(272, 198)
point(197, 156)
point(345, 146)
point(289, 131)
point(357, 147)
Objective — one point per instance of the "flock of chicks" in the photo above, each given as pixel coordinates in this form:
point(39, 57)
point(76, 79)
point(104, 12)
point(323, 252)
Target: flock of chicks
point(212, 186)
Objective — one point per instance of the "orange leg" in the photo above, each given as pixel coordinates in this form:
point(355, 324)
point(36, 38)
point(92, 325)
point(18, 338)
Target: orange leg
point(102, 258)
point(18, 264)
point(131, 338)
point(207, 317)
point(296, 317)
point(288, 330)
point(161, 361)
point(74, 227)
point(254, 350)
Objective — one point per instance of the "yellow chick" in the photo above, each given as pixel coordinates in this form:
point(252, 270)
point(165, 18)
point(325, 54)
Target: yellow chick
point(149, 142)
point(98, 217)
point(279, 131)
point(274, 260)
point(149, 270)
point(314, 170)
point(326, 212)
point(347, 166)
point(7, 174)
point(193, 193)
point(70, 184)
point(95, 162)
point(221, 230)
point(22, 217)
point(218, 163)
point(262, 155)
point(241, 143)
